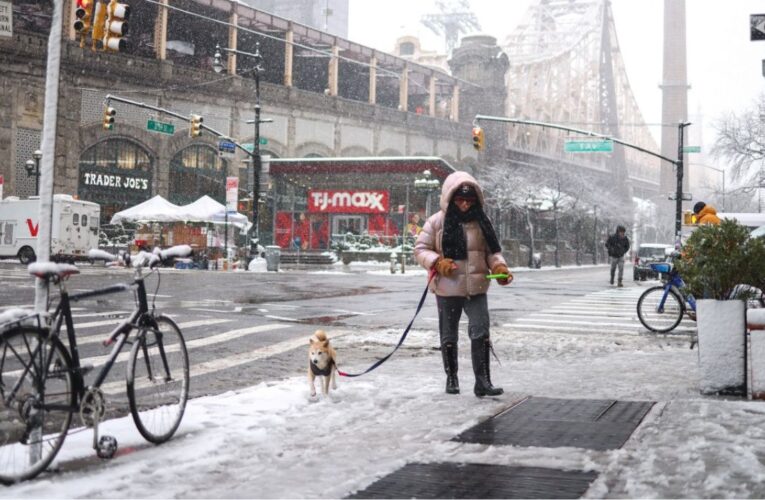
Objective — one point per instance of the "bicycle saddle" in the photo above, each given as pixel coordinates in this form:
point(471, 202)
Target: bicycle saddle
point(48, 270)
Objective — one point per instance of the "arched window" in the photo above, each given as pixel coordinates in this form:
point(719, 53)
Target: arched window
point(195, 171)
point(116, 174)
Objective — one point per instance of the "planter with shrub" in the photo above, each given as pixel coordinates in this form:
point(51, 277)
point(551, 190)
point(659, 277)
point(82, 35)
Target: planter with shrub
point(716, 261)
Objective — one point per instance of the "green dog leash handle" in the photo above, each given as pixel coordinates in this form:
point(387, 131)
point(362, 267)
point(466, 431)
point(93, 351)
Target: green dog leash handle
point(501, 276)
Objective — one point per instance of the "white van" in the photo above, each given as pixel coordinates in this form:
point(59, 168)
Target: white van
point(75, 228)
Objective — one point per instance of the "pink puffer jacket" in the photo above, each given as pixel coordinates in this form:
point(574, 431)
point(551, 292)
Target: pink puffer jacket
point(470, 276)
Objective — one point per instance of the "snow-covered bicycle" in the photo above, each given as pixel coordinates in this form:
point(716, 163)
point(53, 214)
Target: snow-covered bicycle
point(42, 382)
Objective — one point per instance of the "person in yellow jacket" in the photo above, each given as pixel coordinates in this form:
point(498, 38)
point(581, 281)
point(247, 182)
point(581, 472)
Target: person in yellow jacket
point(705, 214)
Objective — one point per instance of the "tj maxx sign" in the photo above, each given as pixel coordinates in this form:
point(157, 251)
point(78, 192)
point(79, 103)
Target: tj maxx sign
point(367, 202)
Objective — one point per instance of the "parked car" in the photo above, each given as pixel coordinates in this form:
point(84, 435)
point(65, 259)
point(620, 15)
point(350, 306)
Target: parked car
point(646, 254)
point(758, 233)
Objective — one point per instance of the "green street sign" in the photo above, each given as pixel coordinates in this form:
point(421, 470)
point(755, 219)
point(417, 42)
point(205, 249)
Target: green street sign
point(249, 146)
point(598, 146)
point(162, 128)
point(692, 149)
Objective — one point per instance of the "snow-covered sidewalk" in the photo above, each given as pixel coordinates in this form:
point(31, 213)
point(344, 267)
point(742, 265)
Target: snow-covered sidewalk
point(273, 440)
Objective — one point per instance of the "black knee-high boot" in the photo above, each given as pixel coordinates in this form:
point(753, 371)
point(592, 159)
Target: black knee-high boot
point(449, 354)
point(480, 353)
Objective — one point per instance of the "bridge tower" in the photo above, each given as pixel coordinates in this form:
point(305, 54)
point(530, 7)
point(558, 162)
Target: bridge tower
point(480, 61)
point(674, 86)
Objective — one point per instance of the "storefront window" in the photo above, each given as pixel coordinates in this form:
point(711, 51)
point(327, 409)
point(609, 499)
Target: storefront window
point(197, 171)
point(116, 174)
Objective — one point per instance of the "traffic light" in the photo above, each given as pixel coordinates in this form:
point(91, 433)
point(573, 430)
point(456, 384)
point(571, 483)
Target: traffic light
point(109, 113)
point(116, 26)
point(84, 15)
point(195, 130)
point(478, 138)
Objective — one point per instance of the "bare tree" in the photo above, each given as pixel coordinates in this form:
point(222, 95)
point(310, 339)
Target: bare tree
point(741, 141)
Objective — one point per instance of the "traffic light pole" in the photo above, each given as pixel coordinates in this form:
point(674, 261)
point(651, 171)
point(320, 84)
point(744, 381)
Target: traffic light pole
point(677, 163)
point(256, 158)
point(679, 188)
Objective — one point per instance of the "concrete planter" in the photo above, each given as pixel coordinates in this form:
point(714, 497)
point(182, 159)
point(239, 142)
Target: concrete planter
point(755, 319)
point(722, 346)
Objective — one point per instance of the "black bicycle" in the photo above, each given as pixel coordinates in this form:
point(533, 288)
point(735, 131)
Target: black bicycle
point(42, 380)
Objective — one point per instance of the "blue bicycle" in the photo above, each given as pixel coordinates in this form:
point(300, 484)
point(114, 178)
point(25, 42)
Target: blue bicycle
point(661, 308)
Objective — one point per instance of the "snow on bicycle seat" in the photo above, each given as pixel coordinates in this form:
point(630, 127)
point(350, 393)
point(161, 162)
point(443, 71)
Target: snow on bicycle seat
point(47, 270)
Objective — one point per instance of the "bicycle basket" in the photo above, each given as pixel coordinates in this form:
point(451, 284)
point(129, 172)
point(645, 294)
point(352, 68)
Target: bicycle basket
point(661, 267)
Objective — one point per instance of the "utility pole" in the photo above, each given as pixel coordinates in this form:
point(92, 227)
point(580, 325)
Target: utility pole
point(679, 188)
point(255, 155)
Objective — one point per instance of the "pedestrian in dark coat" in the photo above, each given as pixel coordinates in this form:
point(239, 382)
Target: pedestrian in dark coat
point(617, 245)
point(459, 242)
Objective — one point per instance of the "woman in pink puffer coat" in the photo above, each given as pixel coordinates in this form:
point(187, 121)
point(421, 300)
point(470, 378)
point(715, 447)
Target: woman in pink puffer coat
point(459, 242)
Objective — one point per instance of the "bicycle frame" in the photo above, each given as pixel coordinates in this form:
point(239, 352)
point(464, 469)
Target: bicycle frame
point(675, 281)
point(63, 315)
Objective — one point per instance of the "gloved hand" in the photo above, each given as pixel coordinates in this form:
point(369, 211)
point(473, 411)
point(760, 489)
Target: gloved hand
point(445, 266)
point(502, 269)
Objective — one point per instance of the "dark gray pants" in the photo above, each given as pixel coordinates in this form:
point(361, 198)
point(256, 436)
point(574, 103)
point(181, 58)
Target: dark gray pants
point(450, 311)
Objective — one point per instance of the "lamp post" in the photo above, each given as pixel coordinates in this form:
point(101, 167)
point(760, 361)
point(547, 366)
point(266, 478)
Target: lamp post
point(33, 169)
point(427, 185)
point(532, 203)
point(255, 155)
point(595, 234)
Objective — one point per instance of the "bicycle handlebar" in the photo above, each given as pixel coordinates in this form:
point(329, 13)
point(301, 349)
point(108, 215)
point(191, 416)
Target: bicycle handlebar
point(142, 258)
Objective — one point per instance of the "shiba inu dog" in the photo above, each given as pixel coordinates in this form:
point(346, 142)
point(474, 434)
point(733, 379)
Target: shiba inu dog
point(321, 362)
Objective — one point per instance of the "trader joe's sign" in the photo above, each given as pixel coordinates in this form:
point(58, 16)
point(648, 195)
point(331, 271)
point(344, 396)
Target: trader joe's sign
point(348, 201)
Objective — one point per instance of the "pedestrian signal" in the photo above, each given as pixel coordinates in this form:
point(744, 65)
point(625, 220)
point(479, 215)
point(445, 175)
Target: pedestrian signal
point(478, 138)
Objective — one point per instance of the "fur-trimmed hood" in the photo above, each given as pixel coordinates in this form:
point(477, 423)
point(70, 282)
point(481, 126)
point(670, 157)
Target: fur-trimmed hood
point(454, 181)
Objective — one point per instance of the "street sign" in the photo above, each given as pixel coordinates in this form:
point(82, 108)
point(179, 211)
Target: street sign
point(589, 146)
point(756, 27)
point(232, 193)
point(691, 149)
point(250, 147)
point(226, 149)
point(686, 196)
point(6, 19)
point(162, 128)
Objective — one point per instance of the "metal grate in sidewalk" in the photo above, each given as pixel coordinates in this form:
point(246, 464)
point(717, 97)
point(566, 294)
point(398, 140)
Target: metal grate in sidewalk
point(454, 480)
point(553, 423)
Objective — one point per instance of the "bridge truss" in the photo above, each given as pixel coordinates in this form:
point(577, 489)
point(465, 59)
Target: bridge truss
point(566, 68)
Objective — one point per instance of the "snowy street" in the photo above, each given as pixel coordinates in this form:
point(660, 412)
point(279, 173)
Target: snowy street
point(273, 441)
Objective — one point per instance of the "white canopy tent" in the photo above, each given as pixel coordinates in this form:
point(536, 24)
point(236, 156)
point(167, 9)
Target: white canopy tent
point(158, 209)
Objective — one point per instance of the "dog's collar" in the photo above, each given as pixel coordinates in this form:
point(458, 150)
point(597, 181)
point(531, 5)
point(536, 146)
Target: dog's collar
point(322, 372)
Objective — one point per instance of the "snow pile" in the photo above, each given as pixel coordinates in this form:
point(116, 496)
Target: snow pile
point(258, 265)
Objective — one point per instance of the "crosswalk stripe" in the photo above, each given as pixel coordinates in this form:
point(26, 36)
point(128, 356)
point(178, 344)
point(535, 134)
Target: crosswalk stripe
point(193, 344)
point(609, 311)
point(231, 361)
point(564, 328)
point(570, 322)
point(97, 339)
point(99, 314)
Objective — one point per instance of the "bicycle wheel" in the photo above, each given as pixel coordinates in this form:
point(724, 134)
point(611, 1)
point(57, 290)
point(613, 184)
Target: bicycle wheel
point(37, 398)
point(660, 320)
point(158, 380)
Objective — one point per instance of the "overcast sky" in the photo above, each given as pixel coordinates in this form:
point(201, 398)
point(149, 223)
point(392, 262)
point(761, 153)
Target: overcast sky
point(724, 67)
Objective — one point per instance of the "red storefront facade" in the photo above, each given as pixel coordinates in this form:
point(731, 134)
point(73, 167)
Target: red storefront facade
point(316, 200)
